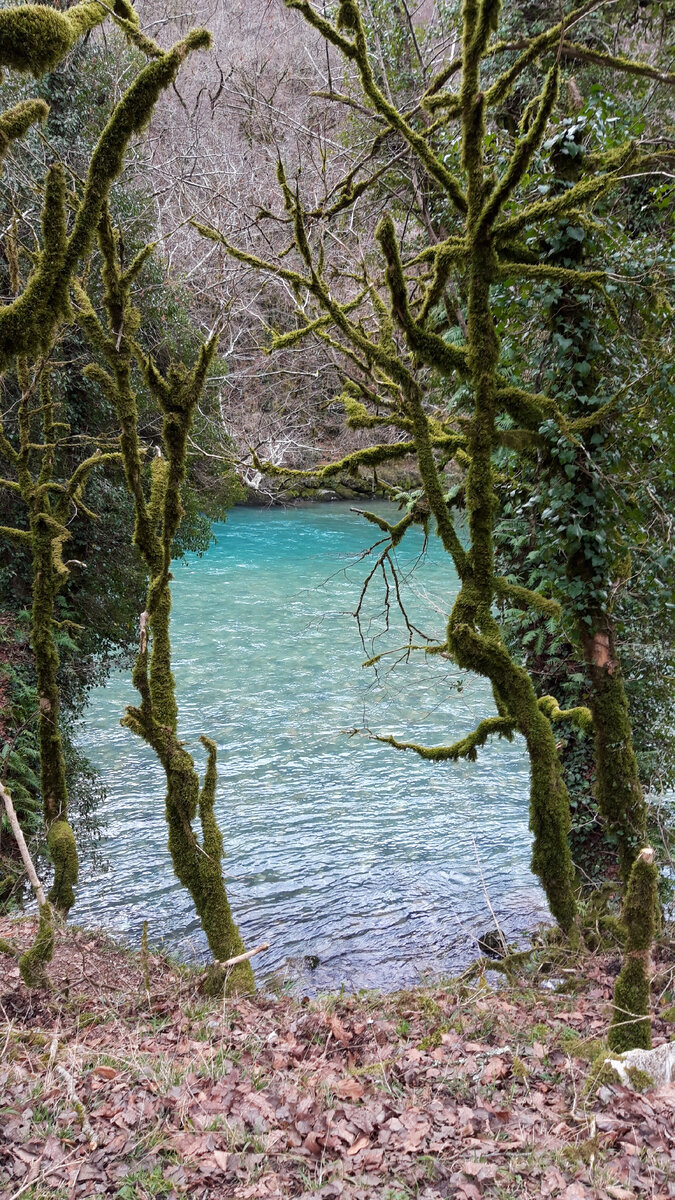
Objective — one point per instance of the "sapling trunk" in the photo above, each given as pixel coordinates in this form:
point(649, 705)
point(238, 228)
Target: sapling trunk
point(631, 1028)
point(60, 838)
point(33, 961)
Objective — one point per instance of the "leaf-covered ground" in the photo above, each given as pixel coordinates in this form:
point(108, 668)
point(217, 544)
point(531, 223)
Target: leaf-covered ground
point(462, 1090)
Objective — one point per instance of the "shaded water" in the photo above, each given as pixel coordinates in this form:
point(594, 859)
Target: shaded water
point(339, 849)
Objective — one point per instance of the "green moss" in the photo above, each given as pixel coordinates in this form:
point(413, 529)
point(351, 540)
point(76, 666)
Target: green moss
point(519, 1069)
point(630, 1028)
point(32, 963)
point(640, 1081)
point(618, 790)
point(35, 38)
point(63, 853)
point(16, 122)
point(28, 322)
point(601, 1074)
point(639, 909)
point(589, 1049)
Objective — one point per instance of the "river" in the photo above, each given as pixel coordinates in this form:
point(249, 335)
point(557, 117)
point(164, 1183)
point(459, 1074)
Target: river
point(362, 865)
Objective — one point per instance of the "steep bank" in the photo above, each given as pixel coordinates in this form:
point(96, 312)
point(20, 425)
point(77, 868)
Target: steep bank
point(458, 1090)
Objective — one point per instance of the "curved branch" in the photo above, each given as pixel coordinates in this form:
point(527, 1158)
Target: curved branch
point(467, 747)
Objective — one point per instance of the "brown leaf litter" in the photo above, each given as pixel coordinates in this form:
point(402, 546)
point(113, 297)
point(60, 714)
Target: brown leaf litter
point(462, 1090)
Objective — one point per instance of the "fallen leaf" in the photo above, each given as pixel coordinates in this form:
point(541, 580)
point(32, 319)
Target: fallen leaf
point(222, 1158)
point(362, 1143)
point(469, 1190)
point(105, 1072)
point(495, 1068)
point(350, 1088)
point(341, 1035)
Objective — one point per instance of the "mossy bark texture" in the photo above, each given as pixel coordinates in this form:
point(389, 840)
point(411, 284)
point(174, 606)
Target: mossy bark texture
point(46, 534)
point(618, 789)
point(631, 1028)
point(196, 863)
point(49, 505)
point(33, 962)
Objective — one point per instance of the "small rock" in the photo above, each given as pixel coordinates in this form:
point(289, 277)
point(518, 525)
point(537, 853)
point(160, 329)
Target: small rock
point(657, 1064)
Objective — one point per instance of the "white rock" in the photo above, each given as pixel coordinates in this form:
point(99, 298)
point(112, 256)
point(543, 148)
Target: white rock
point(659, 1064)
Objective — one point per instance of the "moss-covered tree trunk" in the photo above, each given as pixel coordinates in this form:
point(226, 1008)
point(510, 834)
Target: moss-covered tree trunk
point(571, 318)
point(473, 634)
point(60, 838)
point(47, 533)
point(631, 1027)
point(618, 788)
point(197, 864)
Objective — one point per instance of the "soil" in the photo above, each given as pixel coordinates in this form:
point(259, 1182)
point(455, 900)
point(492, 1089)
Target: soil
point(478, 1087)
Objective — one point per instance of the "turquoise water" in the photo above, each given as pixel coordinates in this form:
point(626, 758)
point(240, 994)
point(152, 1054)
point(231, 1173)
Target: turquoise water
point(338, 848)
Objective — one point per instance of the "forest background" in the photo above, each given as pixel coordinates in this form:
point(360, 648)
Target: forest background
point(211, 153)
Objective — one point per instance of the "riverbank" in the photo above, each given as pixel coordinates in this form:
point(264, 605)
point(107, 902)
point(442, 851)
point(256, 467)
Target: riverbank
point(462, 1090)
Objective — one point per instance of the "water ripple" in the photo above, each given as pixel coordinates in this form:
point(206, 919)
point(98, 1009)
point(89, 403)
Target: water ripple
point(337, 848)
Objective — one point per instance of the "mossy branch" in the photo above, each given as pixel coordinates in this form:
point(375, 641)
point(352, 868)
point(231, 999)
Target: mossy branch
point(16, 121)
point(356, 49)
point(16, 535)
point(396, 532)
point(530, 409)
point(358, 417)
point(523, 153)
point(539, 45)
point(585, 192)
point(626, 66)
point(35, 38)
point(426, 648)
point(27, 323)
point(540, 271)
point(579, 716)
point(371, 456)
point(425, 344)
point(522, 597)
point(600, 414)
point(467, 747)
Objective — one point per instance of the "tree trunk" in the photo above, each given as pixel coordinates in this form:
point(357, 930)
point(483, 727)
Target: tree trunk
point(60, 839)
point(618, 789)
